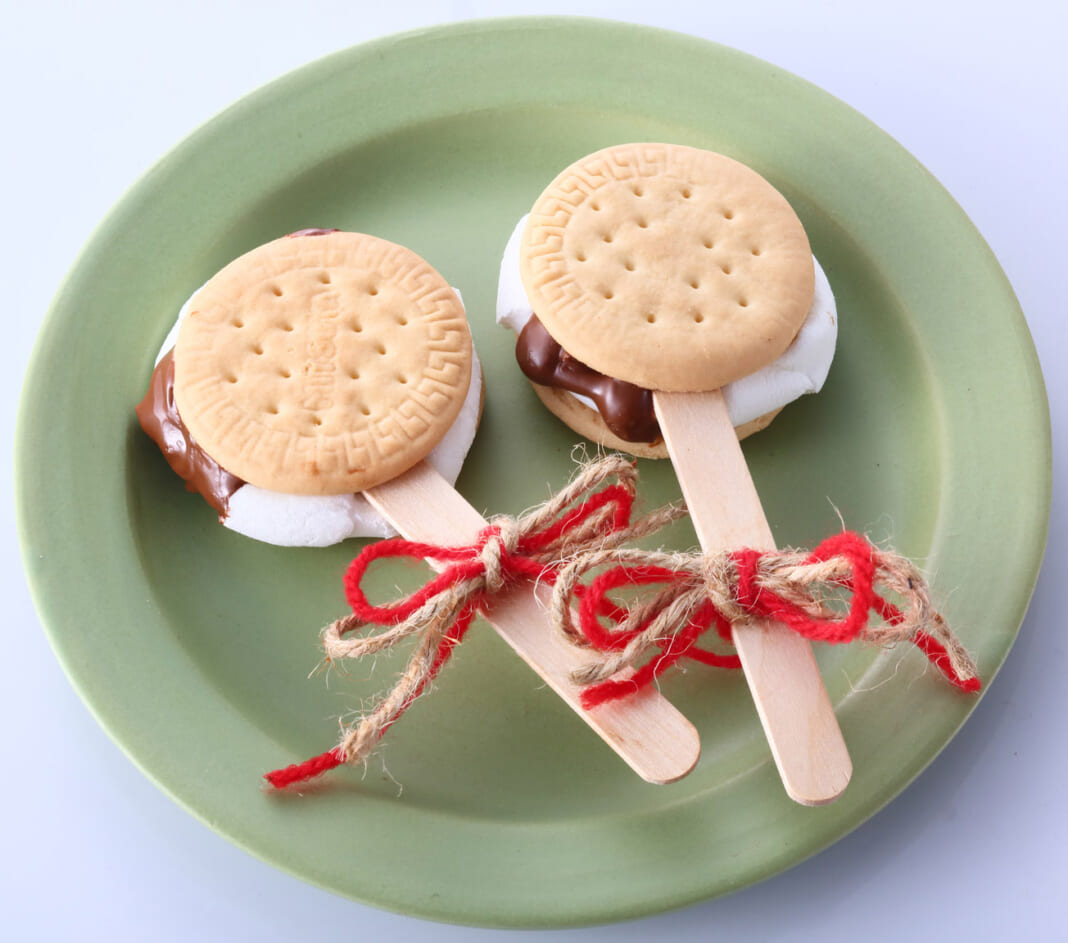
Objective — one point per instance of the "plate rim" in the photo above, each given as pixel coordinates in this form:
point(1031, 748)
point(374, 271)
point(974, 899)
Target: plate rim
point(369, 49)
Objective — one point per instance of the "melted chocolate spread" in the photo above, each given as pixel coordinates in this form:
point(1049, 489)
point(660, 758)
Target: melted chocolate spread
point(626, 409)
point(159, 418)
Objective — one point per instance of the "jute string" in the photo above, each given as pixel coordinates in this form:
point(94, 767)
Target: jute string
point(531, 547)
point(830, 594)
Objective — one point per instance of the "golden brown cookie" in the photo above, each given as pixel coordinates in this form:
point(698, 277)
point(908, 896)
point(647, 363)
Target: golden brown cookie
point(323, 363)
point(670, 267)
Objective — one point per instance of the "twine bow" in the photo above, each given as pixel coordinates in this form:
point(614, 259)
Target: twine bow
point(577, 519)
point(829, 594)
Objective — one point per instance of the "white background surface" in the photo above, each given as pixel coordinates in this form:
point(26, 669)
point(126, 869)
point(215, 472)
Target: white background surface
point(94, 93)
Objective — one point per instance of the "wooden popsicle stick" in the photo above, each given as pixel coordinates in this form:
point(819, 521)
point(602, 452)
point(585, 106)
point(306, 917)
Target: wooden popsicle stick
point(646, 730)
point(794, 707)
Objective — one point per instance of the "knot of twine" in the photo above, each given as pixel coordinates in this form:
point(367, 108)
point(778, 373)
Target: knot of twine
point(829, 594)
point(497, 557)
point(577, 519)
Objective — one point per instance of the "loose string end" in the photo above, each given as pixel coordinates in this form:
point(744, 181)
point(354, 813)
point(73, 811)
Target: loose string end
point(938, 655)
point(302, 772)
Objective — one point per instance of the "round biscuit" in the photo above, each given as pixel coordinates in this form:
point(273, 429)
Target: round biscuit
point(670, 267)
point(589, 424)
point(324, 363)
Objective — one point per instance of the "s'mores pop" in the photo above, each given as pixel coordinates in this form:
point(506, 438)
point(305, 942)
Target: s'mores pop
point(293, 376)
point(329, 364)
point(659, 276)
point(618, 414)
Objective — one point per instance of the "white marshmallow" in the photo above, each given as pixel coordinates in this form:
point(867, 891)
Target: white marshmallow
point(302, 520)
point(801, 369)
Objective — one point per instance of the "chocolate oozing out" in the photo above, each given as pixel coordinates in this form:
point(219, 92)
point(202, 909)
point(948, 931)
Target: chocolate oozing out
point(159, 418)
point(626, 409)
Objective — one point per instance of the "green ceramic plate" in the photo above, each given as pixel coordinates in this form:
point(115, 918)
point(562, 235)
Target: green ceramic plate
point(192, 645)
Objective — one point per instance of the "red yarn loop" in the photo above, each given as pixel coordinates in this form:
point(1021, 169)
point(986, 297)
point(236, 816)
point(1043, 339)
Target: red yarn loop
point(460, 563)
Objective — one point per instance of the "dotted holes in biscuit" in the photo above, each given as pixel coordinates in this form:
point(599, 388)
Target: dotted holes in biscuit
point(708, 243)
point(651, 318)
point(257, 349)
point(755, 250)
point(725, 268)
point(743, 302)
point(364, 409)
point(284, 373)
point(608, 294)
point(231, 378)
point(380, 348)
point(686, 193)
point(317, 420)
point(728, 214)
point(353, 373)
point(356, 327)
point(695, 284)
point(272, 410)
point(237, 322)
point(276, 291)
point(607, 237)
point(628, 264)
point(637, 190)
point(698, 317)
point(642, 223)
point(324, 278)
point(373, 290)
point(580, 256)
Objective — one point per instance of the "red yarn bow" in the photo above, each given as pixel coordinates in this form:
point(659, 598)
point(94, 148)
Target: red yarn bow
point(524, 560)
point(440, 613)
point(700, 593)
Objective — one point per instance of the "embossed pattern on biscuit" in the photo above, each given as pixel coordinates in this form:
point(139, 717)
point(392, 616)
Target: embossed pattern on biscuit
point(669, 267)
point(323, 364)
